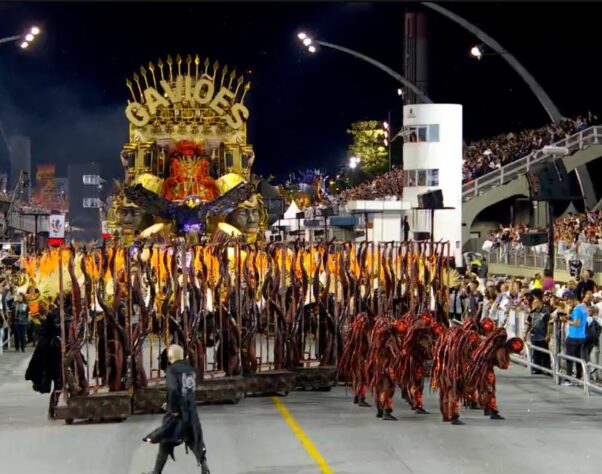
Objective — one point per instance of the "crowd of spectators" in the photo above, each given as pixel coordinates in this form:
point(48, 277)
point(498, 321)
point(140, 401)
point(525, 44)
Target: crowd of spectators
point(569, 230)
point(480, 157)
point(553, 317)
point(386, 186)
point(490, 154)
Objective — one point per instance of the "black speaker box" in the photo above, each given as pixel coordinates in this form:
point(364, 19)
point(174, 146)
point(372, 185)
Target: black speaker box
point(549, 181)
point(531, 239)
point(431, 200)
point(422, 235)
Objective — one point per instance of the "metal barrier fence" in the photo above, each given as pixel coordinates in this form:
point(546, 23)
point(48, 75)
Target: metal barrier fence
point(515, 324)
point(528, 257)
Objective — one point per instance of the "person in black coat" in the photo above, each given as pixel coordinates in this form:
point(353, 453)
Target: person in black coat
point(181, 422)
point(44, 368)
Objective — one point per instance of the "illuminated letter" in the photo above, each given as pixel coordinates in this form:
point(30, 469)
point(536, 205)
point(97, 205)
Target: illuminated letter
point(175, 95)
point(137, 114)
point(188, 88)
point(220, 101)
point(154, 99)
point(238, 114)
point(200, 97)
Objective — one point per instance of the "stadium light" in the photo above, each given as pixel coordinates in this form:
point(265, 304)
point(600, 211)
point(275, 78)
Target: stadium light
point(477, 52)
point(313, 45)
point(25, 39)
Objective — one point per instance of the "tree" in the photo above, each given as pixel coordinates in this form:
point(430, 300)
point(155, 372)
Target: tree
point(368, 144)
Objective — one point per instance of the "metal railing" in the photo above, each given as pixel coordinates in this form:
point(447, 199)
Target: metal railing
point(527, 257)
point(5, 336)
point(578, 141)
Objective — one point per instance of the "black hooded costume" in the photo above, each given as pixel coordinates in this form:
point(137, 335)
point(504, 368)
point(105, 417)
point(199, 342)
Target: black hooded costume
point(45, 364)
point(44, 368)
point(181, 423)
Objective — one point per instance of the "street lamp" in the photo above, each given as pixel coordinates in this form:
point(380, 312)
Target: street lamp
point(312, 44)
point(477, 51)
point(354, 161)
point(25, 39)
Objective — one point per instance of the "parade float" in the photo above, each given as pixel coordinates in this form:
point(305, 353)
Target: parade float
point(187, 264)
point(187, 166)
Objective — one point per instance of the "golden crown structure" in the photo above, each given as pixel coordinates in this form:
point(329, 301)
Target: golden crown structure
point(187, 137)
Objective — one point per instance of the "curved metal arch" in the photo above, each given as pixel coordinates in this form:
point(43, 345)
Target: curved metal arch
point(525, 75)
point(407, 83)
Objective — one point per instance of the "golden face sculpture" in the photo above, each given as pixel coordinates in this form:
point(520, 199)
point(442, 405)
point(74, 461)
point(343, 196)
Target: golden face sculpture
point(245, 219)
point(130, 217)
point(302, 200)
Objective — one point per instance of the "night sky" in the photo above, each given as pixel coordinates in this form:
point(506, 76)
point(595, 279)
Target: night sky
point(68, 92)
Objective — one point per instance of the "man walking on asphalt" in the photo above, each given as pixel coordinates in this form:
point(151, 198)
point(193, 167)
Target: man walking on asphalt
point(181, 423)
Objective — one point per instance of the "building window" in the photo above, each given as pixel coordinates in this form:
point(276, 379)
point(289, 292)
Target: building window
point(91, 203)
point(424, 178)
point(432, 177)
point(433, 135)
point(424, 133)
point(420, 177)
point(91, 179)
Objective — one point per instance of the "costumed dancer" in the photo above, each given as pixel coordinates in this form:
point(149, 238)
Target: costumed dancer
point(181, 423)
point(451, 361)
point(417, 351)
point(383, 359)
point(44, 368)
point(352, 363)
point(484, 328)
point(493, 351)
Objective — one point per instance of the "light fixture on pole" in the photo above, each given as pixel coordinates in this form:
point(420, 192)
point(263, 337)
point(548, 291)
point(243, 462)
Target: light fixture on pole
point(308, 42)
point(313, 45)
point(354, 161)
point(24, 39)
point(386, 139)
point(477, 51)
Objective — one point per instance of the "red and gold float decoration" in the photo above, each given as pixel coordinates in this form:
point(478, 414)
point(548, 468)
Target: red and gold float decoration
point(188, 145)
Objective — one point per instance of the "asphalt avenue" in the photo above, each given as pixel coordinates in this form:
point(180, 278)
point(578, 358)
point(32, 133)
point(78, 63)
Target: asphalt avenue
point(548, 429)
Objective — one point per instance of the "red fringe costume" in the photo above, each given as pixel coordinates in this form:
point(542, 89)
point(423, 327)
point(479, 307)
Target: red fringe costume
point(417, 351)
point(492, 351)
point(483, 327)
point(351, 366)
point(452, 359)
point(383, 361)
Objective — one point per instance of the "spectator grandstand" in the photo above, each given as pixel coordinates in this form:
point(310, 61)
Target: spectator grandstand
point(488, 155)
point(480, 157)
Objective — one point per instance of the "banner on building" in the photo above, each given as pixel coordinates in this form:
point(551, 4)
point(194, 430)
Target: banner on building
point(56, 229)
point(105, 232)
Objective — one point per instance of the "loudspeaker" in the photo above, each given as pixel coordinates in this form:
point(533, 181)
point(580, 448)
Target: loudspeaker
point(549, 181)
point(531, 239)
point(431, 200)
point(421, 235)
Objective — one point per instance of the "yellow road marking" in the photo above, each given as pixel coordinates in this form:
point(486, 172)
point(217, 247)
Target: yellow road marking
point(305, 441)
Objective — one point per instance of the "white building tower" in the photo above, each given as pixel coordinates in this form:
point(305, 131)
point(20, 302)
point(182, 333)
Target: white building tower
point(432, 159)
